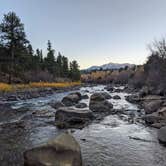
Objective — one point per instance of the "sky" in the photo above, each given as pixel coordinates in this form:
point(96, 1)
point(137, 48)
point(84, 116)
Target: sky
point(93, 32)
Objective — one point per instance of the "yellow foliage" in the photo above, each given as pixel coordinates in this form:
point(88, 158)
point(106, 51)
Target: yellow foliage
point(13, 87)
point(5, 87)
point(56, 85)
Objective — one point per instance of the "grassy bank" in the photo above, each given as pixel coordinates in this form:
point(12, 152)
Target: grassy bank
point(14, 87)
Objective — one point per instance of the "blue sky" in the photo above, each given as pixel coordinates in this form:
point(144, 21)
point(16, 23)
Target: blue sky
point(93, 32)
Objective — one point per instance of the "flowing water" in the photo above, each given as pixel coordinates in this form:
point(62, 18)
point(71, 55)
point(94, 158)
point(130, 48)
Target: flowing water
point(112, 142)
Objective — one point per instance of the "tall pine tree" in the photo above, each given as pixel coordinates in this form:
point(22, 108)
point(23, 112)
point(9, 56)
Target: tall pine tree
point(13, 38)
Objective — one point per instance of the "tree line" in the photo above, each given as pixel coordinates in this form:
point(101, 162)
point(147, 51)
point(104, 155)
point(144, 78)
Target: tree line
point(151, 75)
point(21, 63)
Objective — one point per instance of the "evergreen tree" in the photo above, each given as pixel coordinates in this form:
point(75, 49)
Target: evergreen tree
point(50, 59)
point(18, 59)
point(59, 64)
point(74, 71)
point(13, 37)
point(65, 67)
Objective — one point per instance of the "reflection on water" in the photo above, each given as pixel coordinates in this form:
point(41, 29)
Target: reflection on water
point(112, 142)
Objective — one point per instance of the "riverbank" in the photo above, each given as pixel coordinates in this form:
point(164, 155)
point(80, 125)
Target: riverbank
point(17, 92)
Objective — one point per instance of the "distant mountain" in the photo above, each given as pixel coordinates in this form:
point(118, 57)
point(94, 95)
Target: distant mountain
point(109, 66)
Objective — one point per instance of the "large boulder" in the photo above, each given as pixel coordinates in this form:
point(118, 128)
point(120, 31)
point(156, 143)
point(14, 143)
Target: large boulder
point(64, 150)
point(98, 103)
point(162, 135)
point(152, 106)
point(71, 99)
point(72, 118)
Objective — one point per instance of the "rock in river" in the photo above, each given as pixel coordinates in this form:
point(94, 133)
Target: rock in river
point(109, 88)
point(133, 99)
point(156, 118)
point(57, 105)
point(84, 97)
point(162, 135)
point(64, 150)
point(152, 118)
point(72, 118)
point(71, 99)
point(98, 103)
point(106, 95)
point(152, 106)
point(81, 105)
point(116, 97)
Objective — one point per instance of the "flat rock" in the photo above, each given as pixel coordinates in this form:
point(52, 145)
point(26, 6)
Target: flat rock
point(72, 118)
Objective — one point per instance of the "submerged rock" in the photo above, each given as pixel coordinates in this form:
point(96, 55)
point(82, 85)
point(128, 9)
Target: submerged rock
point(64, 150)
point(72, 118)
point(71, 99)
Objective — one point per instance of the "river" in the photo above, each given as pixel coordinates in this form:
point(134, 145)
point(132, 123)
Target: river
point(112, 142)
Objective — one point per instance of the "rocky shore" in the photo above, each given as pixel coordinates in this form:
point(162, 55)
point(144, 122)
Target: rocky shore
point(26, 94)
point(154, 105)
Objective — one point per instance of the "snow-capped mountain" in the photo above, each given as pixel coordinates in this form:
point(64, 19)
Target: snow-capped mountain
point(110, 66)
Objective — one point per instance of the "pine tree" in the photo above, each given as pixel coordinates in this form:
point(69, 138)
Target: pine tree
point(50, 59)
point(13, 37)
point(65, 67)
point(59, 64)
point(74, 71)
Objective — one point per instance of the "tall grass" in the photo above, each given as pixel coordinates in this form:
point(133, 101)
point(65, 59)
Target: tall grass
point(14, 87)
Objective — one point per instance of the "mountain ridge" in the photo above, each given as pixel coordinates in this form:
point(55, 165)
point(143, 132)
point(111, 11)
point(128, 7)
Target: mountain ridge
point(108, 66)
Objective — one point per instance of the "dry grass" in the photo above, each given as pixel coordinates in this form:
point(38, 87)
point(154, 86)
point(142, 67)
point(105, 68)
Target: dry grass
point(5, 87)
point(13, 87)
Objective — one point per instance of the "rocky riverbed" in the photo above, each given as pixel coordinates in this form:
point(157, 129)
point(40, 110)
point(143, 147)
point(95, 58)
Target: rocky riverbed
point(118, 138)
